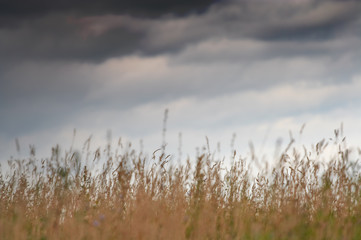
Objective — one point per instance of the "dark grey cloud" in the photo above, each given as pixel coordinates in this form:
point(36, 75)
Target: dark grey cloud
point(103, 30)
point(59, 37)
point(263, 20)
point(23, 8)
point(53, 30)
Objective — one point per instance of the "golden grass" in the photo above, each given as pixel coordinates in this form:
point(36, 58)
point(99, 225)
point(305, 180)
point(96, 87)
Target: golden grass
point(137, 197)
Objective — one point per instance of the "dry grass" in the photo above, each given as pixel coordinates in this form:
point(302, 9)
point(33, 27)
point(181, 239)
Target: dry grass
point(137, 197)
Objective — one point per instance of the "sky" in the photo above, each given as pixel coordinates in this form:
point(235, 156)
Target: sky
point(233, 71)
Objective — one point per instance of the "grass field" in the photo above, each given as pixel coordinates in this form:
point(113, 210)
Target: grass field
point(134, 196)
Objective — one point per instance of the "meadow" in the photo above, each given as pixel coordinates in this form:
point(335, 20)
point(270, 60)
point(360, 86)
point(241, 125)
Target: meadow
point(121, 193)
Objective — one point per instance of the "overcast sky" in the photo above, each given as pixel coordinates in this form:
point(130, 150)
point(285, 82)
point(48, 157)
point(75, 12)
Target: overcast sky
point(256, 68)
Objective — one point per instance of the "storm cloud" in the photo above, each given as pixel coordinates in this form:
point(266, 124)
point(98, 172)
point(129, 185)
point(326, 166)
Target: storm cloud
point(104, 30)
point(105, 64)
point(22, 8)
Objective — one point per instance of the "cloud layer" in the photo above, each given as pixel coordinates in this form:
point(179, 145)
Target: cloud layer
point(98, 35)
point(216, 65)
